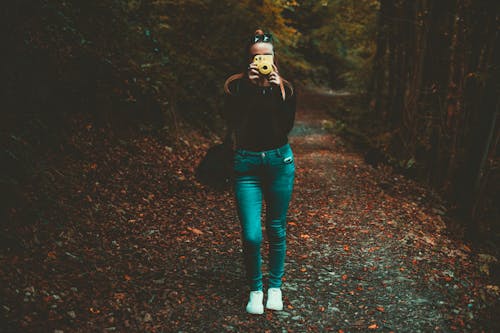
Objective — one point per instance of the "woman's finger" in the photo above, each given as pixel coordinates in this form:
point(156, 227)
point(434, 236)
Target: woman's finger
point(253, 77)
point(253, 73)
point(274, 78)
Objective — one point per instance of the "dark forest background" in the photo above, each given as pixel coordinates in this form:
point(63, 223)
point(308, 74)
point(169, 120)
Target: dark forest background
point(421, 83)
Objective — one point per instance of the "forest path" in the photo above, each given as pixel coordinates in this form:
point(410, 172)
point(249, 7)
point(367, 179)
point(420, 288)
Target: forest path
point(128, 241)
point(367, 250)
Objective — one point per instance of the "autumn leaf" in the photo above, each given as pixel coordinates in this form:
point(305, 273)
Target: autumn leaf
point(94, 310)
point(120, 296)
point(196, 231)
point(484, 268)
point(493, 289)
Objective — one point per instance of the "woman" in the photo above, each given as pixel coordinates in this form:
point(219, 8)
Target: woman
point(260, 108)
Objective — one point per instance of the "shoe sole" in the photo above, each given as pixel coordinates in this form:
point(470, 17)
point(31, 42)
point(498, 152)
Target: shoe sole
point(258, 312)
point(274, 308)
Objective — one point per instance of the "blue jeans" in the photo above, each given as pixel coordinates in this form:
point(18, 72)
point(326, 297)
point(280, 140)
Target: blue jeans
point(269, 174)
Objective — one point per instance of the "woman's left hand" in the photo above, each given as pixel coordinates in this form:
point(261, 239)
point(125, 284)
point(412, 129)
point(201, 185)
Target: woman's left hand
point(274, 76)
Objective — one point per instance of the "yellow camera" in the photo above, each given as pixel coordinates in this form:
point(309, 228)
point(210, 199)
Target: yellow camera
point(264, 63)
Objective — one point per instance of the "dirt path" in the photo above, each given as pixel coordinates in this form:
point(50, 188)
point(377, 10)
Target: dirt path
point(367, 251)
point(362, 253)
point(129, 242)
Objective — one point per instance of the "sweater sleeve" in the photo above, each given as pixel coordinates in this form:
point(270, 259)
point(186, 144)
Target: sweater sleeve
point(286, 108)
point(229, 111)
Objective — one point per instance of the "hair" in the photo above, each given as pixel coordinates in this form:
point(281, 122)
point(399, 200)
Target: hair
point(242, 74)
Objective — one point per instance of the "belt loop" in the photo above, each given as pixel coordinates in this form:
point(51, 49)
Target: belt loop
point(279, 151)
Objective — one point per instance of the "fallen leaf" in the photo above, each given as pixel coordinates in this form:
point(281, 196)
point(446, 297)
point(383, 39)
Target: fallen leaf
point(120, 296)
point(196, 231)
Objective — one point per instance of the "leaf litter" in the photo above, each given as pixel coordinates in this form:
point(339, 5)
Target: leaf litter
point(127, 240)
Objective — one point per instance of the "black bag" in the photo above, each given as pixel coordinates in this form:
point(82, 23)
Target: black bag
point(216, 168)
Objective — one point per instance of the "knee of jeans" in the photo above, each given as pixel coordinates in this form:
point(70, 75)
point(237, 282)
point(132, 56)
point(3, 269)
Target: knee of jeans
point(277, 233)
point(253, 242)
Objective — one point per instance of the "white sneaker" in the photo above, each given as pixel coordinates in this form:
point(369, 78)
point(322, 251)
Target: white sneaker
point(274, 301)
point(255, 304)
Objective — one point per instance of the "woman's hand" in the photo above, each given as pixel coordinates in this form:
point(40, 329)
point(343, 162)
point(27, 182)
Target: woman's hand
point(274, 76)
point(254, 76)
point(253, 73)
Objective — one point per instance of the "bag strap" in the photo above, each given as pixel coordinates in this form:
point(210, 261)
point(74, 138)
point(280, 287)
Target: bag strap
point(230, 138)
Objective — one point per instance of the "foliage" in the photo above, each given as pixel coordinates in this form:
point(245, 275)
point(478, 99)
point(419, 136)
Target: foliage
point(118, 64)
point(338, 37)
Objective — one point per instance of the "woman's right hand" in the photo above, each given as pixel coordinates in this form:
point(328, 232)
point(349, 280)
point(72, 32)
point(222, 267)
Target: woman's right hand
point(253, 73)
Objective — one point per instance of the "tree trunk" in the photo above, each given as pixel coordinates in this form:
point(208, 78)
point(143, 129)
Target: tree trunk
point(486, 133)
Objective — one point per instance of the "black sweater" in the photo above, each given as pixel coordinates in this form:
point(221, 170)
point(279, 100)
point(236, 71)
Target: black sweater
point(259, 115)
